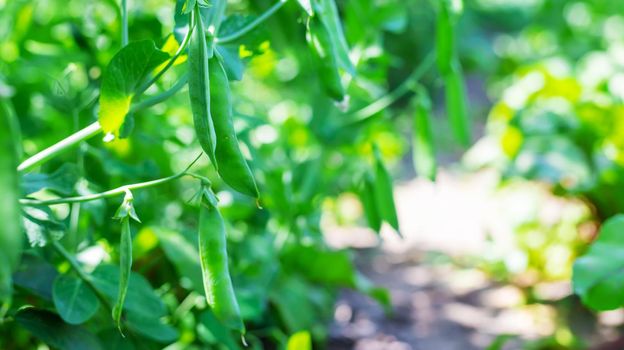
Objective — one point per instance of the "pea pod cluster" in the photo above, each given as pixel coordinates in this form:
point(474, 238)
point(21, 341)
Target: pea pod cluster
point(211, 103)
point(11, 236)
point(324, 53)
point(450, 67)
point(214, 265)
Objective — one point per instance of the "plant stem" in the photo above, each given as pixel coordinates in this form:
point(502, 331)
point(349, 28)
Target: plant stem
point(81, 274)
point(124, 23)
point(94, 129)
point(393, 96)
point(114, 192)
point(253, 24)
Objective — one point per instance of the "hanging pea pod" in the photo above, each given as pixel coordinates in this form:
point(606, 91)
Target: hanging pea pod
point(199, 87)
point(423, 150)
point(124, 214)
point(456, 104)
point(214, 264)
point(445, 36)
point(11, 236)
point(383, 193)
point(233, 167)
point(324, 52)
point(366, 193)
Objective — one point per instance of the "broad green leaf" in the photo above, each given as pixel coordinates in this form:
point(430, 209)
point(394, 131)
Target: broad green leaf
point(300, 341)
point(11, 236)
point(598, 276)
point(61, 181)
point(121, 79)
point(50, 328)
point(423, 151)
point(74, 300)
point(183, 255)
point(384, 194)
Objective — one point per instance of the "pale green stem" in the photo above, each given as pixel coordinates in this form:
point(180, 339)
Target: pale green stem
point(114, 192)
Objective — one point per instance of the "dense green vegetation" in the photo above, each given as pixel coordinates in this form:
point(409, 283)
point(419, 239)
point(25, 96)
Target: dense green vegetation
point(166, 166)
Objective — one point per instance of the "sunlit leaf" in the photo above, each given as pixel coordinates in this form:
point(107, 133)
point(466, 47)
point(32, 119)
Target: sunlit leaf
point(123, 75)
point(300, 341)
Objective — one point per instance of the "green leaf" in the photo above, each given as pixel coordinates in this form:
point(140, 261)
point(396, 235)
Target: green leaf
point(74, 300)
point(333, 267)
point(384, 195)
point(51, 329)
point(151, 328)
point(300, 341)
point(121, 79)
point(598, 276)
point(61, 181)
point(11, 236)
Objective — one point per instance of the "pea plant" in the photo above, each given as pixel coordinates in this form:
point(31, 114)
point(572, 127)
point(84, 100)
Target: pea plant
point(232, 243)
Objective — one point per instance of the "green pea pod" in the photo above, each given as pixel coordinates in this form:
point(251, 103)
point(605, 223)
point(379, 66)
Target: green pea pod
point(367, 197)
point(11, 236)
point(324, 53)
point(423, 151)
point(383, 192)
point(199, 88)
point(445, 37)
point(214, 264)
point(124, 213)
point(233, 167)
point(125, 267)
point(456, 104)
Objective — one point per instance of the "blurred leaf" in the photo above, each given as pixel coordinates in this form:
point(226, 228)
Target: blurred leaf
point(51, 329)
point(321, 266)
point(366, 192)
point(73, 299)
point(598, 275)
point(36, 275)
point(183, 255)
point(234, 66)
